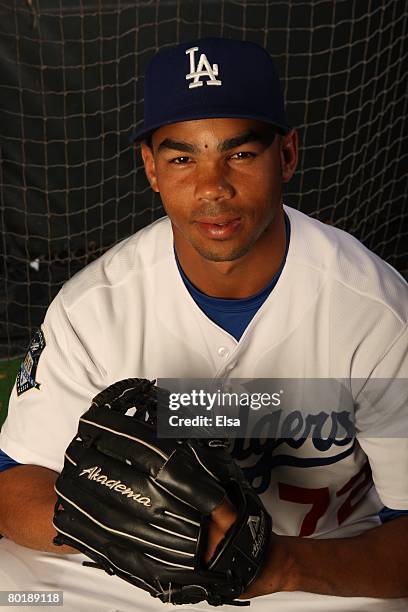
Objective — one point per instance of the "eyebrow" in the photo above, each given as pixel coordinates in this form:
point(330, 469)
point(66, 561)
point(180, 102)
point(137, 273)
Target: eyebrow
point(177, 145)
point(241, 139)
point(230, 143)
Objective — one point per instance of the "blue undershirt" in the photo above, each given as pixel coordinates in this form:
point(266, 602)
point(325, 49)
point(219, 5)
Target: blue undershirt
point(234, 315)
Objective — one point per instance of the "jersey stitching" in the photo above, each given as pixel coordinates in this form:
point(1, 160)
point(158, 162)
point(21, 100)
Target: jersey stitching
point(122, 280)
point(385, 353)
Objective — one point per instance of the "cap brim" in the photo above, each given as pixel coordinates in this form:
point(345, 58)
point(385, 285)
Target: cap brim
point(144, 132)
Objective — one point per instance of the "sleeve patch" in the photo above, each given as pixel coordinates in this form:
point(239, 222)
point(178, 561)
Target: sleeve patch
point(26, 376)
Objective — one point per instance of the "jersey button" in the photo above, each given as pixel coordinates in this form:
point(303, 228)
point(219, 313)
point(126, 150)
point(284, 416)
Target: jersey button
point(223, 352)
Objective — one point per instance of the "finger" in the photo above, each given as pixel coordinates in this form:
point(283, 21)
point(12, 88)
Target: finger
point(224, 515)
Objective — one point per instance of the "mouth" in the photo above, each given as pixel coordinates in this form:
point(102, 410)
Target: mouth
point(219, 228)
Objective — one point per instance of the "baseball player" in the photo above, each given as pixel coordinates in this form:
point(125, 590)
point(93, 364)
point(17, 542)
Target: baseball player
point(231, 283)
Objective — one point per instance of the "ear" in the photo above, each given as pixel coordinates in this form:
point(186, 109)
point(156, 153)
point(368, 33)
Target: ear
point(150, 168)
point(289, 155)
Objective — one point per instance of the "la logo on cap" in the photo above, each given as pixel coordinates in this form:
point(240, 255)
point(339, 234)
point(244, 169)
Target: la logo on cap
point(203, 69)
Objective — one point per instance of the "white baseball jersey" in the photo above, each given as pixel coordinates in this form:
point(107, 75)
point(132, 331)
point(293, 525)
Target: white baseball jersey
point(337, 311)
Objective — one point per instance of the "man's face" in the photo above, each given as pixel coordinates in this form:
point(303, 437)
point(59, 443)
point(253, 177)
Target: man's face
point(220, 181)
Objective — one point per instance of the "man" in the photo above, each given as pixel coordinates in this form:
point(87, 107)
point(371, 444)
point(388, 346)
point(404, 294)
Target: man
point(231, 283)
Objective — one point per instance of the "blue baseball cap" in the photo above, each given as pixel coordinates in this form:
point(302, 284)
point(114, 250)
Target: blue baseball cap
point(211, 77)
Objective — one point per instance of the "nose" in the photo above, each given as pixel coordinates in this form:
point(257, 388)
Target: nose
point(212, 183)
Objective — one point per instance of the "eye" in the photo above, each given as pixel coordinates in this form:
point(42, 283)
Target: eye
point(241, 155)
point(182, 160)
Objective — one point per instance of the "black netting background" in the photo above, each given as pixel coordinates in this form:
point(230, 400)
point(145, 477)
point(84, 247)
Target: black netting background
point(71, 91)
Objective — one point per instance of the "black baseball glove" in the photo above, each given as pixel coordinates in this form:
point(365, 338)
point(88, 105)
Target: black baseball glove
point(139, 506)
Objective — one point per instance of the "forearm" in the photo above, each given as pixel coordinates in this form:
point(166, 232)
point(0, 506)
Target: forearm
point(27, 507)
point(373, 564)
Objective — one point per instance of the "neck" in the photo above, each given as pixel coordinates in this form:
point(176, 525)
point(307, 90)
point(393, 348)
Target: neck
point(242, 277)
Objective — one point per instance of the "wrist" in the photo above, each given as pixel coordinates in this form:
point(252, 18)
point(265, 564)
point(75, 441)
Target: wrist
point(277, 572)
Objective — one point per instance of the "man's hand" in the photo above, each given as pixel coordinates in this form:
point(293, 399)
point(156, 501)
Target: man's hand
point(139, 505)
point(222, 518)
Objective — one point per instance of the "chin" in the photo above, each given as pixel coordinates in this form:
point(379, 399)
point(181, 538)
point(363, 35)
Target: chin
point(216, 254)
